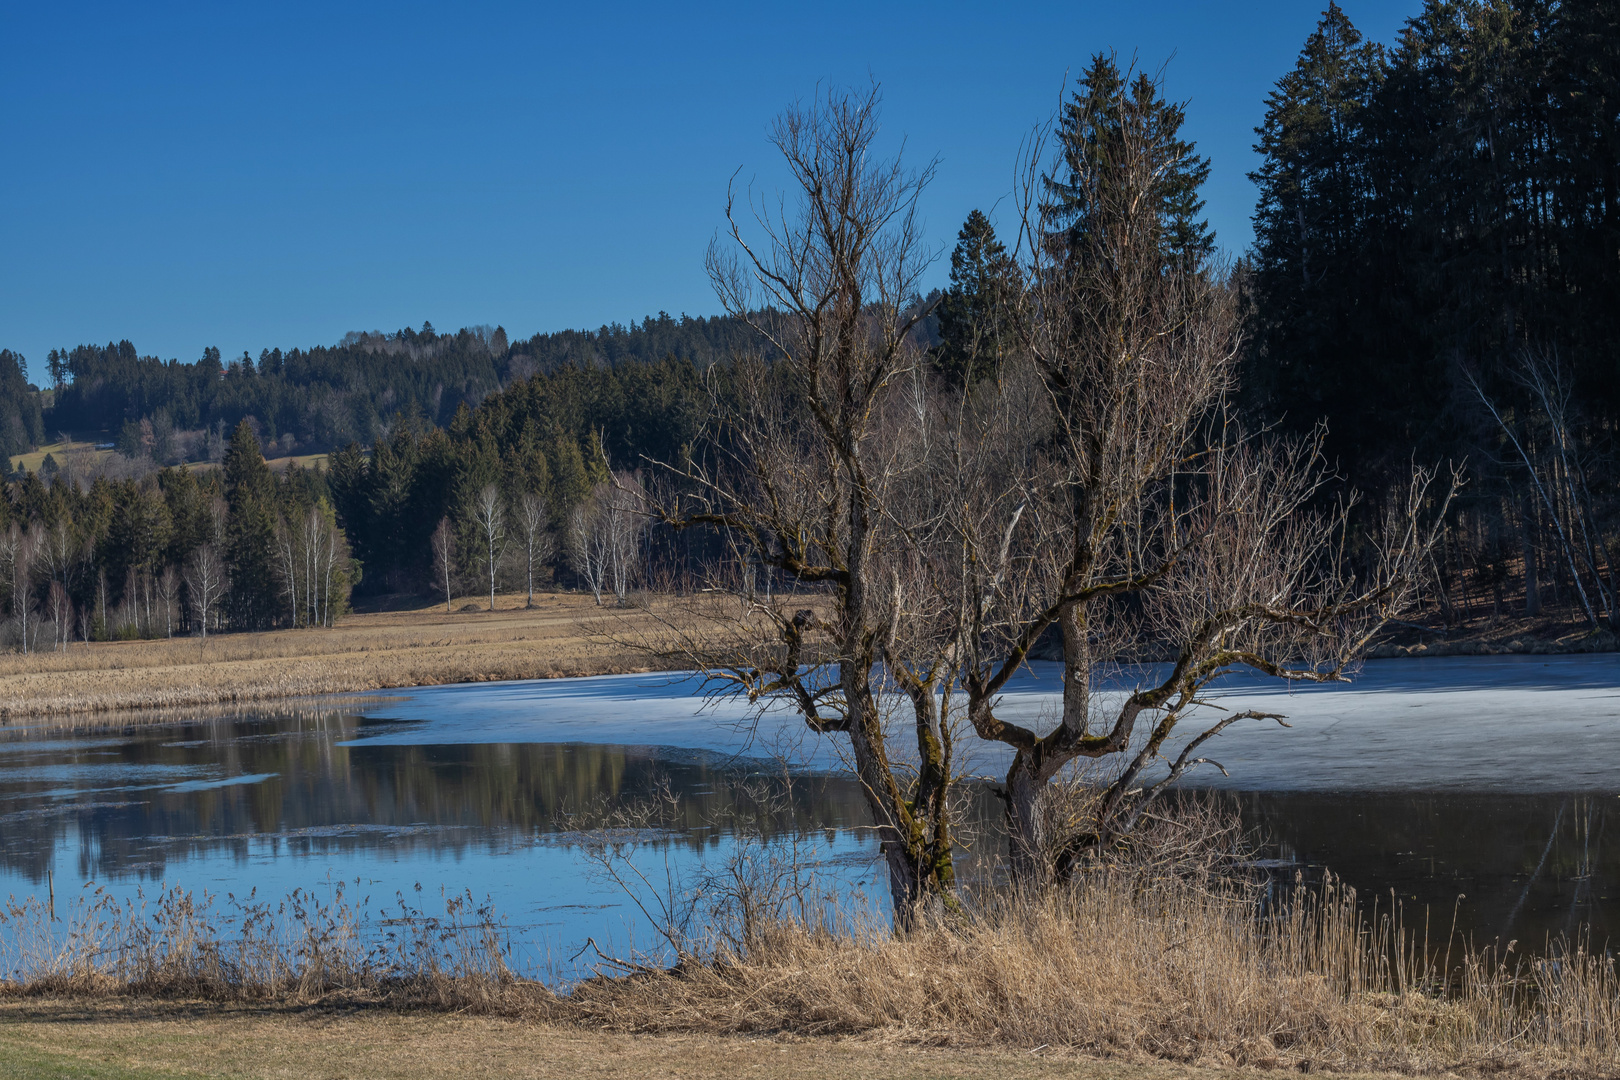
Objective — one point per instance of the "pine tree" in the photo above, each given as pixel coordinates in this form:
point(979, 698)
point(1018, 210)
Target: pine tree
point(1314, 229)
point(1109, 108)
point(570, 481)
point(1314, 194)
point(250, 494)
point(976, 312)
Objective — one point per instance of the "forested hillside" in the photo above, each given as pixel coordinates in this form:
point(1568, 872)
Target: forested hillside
point(1437, 274)
point(317, 399)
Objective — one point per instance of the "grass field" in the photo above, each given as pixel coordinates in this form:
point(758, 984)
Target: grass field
point(88, 454)
point(114, 1041)
point(562, 635)
point(59, 450)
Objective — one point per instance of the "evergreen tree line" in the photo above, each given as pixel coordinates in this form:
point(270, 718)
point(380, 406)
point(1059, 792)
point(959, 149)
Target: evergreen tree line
point(537, 481)
point(318, 399)
point(179, 551)
point(22, 420)
point(1436, 273)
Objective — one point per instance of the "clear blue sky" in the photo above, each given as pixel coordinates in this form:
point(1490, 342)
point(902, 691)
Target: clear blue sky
point(275, 175)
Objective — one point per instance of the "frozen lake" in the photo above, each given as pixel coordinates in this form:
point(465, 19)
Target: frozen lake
point(1490, 776)
point(1506, 723)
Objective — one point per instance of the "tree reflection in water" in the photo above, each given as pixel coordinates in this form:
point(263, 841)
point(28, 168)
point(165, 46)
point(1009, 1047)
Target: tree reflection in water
point(277, 798)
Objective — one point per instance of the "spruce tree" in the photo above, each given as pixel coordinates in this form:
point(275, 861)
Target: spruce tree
point(1311, 345)
point(250, 531)
point(1110, 107)
point(976, 312)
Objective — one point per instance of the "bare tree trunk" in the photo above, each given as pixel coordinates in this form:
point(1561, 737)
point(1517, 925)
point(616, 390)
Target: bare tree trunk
point(443, 543)
point(1532, 587)
point(813, 484)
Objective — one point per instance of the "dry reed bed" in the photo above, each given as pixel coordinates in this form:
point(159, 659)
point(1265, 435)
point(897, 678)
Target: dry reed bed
point(564, 636)
point(1117, 967)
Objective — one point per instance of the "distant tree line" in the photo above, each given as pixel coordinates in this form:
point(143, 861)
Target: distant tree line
point(178, 551)
point(313, 400)
point(541, 454)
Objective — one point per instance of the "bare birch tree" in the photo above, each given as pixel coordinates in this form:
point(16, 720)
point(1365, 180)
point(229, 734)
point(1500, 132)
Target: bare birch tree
point(443, 545)
point(326, 564)
point(12, 541)
point(20, 550)
point(289, 556)
point(310, 558)
point(206, 584)
point(168, 590)
point(62, 551)
point(61, 608)
point(588, 541)
point(489, 514)
point(532, 517)
point(623, 520)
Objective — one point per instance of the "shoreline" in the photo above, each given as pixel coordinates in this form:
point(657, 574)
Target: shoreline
point(563, 636)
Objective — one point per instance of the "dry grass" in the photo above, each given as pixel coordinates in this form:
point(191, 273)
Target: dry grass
point(1121, 967)
point(1165, 972)
point(60, 451)
point(561, 636)
point(58, 1038)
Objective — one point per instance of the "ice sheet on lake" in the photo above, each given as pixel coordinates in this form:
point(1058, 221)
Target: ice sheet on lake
point(660, 709)
point(1514, 723)
point(229, 781)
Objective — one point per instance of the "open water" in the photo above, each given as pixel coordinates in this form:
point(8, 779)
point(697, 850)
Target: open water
point(1494, 779)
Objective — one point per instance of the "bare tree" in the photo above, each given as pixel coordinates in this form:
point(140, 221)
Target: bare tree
point(802, 474)
point(206, 582)
point(12, 541)
point(532, 518)
point(489, 514)
point(623, 519)
point(61, 608)
point(1127, 511)
point(443, 543)
point(168, 590)
point(308, 562)
point(289, 557)
point(62, 551)
point(1560, 485)
point(326, 560)
point(587, 538)
point(19, 551)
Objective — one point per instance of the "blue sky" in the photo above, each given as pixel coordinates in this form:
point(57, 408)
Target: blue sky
point(253, 175)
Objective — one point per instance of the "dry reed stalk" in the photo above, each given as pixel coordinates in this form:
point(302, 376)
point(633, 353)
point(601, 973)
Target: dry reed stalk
point(1122, 964)
point(299, 949)
point(1161, 969)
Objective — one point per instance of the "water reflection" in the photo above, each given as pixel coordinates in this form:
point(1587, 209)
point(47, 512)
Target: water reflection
point(1531, 867)
point(273, 799)
point(302, 781)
